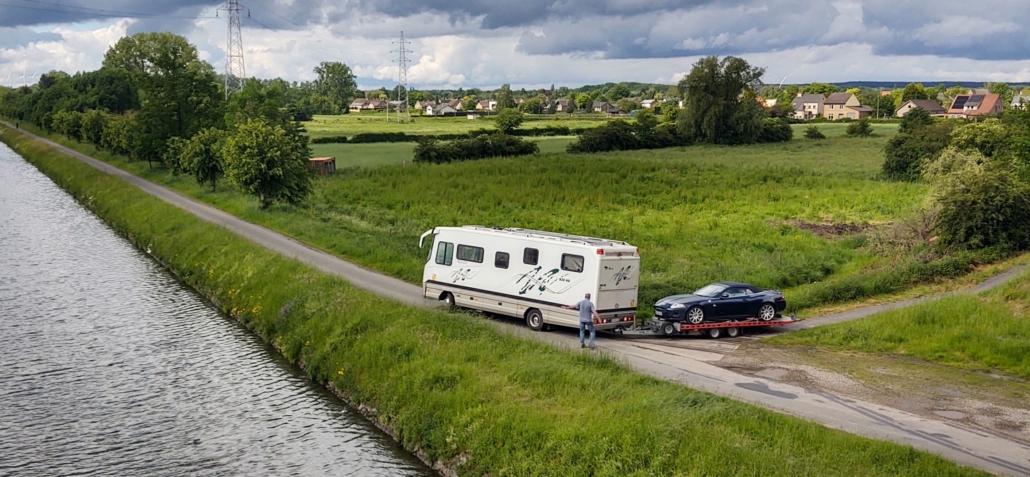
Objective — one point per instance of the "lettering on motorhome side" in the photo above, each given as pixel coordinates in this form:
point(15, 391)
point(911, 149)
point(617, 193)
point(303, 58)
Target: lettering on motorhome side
point(461, 275)
point(542, 282)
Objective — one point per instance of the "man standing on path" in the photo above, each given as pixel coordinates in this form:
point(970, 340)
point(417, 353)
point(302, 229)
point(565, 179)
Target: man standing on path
point(587, 315)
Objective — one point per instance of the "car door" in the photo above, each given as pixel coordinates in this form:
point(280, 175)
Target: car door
point(751, 302)
point(732, 304)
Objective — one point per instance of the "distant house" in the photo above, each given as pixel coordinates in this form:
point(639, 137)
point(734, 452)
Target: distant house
point(844, 105)
point(1020, 101)
point(808, 106)
point(357, 105)
point(423, 104)
point(376, 104)
point(931, 106)
point(564, 106)
point(649, 103)
point(975, 91)
point(486, 105)
point(454, 104)
point(975, 106)
point(604, 107)
point(442, 109)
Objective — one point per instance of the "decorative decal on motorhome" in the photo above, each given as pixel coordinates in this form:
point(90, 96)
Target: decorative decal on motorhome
point(461, 275)
point(549, 281)
point(623, 274)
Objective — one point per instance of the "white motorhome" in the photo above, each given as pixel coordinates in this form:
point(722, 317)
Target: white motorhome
point(531, 274)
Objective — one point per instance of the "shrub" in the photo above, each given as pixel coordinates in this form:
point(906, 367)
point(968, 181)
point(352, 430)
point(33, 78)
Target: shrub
point(916, 119)
point(860, 128)
point(990, 137)
point(617, 135)
point(905, 154)
point(775, 130)
point(508, 120)
point(329, 140)
point(382, 137)
point(430, 150)
point(813, 132)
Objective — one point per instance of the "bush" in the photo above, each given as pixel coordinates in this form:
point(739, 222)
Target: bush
point(905, 154)
point(860, 128)
point(430, 150)
point(382, 137)
point(329, 140)
point(775, 130)
point(813, 132)
point(915, 120)
point(617, 135)
point(508, 120)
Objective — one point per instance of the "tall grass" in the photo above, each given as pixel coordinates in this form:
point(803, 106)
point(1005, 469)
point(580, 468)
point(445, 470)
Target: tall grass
point(990, 332)
point(461, 391)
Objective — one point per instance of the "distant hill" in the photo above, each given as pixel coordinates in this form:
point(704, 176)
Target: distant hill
point(901, 84)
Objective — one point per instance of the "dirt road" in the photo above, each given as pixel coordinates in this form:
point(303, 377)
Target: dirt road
point(685, 365)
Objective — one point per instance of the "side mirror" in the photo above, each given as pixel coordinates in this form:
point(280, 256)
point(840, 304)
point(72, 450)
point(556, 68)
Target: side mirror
point(725, 295)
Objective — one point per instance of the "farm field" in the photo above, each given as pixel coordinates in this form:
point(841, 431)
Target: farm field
point(387, 153)
point(699, 214)
point(351, 124)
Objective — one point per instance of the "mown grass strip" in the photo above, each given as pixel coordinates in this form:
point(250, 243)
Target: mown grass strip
point(457, 389)
point(989, 332)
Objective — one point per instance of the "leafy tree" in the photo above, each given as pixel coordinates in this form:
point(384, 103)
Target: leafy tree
point(583, 101)
point(92, 130)
point(955, 91)
point(627, 104)
point(860, 128)
point(1003, 90)
point(906, 153)
point(854, 91)
point(508, 120)
point(915, 119)
point(824, 89)
point(256, 101)
point(267, 162)
point(913, 91)
point(720, 106)
point(469, 104)
point(336, 83)
point(504, 97)
point(201, 156)
point(617, 92)
point(813, 132)
point(989, 137)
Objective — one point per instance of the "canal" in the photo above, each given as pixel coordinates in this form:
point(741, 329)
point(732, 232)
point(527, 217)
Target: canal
point(109, 366)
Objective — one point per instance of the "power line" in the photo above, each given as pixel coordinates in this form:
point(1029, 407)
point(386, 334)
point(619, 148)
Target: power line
point(97, 11)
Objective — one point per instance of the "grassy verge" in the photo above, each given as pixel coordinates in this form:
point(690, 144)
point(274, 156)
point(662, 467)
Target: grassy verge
point(698, 214)
point(463, 393)
point(985, 332)
point(351, 124)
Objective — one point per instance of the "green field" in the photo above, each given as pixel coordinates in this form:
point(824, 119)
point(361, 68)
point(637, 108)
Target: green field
point(463, 392)
point(989, 332)
point(387, 153)
point(351, 124)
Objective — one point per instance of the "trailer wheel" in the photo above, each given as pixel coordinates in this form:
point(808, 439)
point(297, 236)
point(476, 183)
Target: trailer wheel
point(715, 333)
point(669, 329)
point(767, 312)
point(696, 315)
point(535, 320)
point(733, 332)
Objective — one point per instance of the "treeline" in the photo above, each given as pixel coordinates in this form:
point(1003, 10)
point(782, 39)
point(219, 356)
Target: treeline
point(155, 100)
point(979, 174)
point(366, 138)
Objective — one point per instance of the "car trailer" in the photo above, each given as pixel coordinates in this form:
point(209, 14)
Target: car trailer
point(713, 330)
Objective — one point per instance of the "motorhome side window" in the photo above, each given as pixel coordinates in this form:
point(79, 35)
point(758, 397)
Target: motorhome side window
point(572, 263)
point(501, 260)
point(444, 253)
point(530, 256)
point(470, 254)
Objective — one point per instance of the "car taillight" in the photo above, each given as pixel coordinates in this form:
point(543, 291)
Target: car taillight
point(781, 299)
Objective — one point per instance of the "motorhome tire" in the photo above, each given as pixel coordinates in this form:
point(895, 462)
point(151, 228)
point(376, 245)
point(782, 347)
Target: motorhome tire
point(448, 299)
point(535, 320)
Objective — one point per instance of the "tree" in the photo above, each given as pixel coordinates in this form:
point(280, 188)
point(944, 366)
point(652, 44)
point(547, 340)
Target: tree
point(336, 82)
point(821, 88)
point(914, 120)
point(906, 153)
point(627, 104)
point(267, 162)
point(584, 101)
point(504, 98)
point(256, 101)
point(508, 120)
point(955, 91)
point(720, 105)
point(860, 128)
point(1003, 90)
point(854, 91)
point(617, 92)
point(201, 156)
point(913, 91)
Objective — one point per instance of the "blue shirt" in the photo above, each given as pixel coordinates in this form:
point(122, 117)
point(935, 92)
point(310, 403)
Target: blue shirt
point(586, 311)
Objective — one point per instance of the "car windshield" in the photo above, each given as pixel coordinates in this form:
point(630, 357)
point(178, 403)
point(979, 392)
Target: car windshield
point(710, 291)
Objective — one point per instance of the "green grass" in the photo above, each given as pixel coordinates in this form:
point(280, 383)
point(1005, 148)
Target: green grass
point(388, 153)
point(459, 389)
point(698, 214)
point(989, 332)
point(351, 124)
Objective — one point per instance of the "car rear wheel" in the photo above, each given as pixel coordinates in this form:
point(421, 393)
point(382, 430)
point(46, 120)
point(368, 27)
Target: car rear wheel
point(535, 320)
point(766, 312)
point(696, 315)
point(669, 329)
point(715, 333)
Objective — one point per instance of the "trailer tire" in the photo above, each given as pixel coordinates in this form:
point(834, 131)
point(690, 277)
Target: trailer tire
point(733, 332)
point(696, 315)
point(669, 329)
point(535, 320)
point(767, 312)
point(715, 333)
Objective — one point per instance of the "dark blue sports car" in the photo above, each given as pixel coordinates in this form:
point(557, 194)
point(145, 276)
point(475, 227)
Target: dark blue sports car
point(722, 301)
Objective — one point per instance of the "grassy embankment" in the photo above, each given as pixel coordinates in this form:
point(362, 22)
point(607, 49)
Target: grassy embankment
point(699, 214)
point(978, 332)
point(457, 389)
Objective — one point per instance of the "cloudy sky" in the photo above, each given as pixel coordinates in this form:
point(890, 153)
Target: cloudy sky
point(533, 43)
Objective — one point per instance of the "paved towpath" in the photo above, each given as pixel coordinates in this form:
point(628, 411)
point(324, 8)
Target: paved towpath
point(693, 368)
